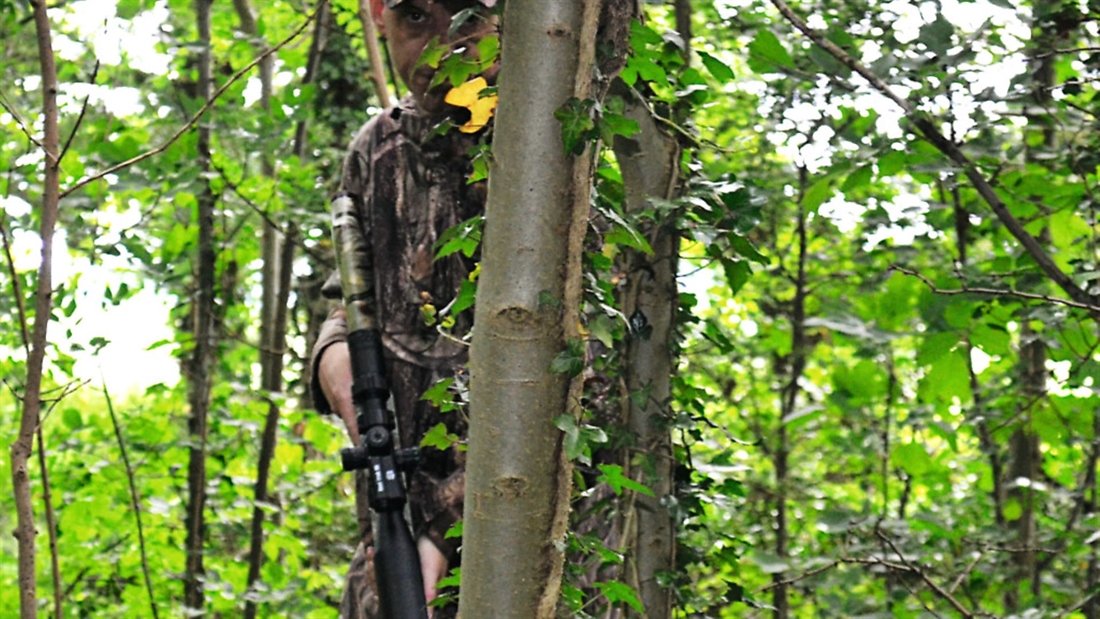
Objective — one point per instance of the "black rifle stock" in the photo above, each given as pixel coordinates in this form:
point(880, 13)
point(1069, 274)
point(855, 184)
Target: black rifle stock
point(396, 561)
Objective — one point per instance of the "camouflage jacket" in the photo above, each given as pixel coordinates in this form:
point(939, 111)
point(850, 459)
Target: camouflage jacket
point(413, 188)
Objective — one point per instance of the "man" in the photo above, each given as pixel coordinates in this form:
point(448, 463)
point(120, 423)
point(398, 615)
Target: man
point(413, 187)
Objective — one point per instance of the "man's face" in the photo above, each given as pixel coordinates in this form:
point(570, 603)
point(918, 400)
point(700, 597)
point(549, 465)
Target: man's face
point(412, 25)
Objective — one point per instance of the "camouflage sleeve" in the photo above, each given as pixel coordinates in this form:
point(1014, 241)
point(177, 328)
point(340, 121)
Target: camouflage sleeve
point(355, 179)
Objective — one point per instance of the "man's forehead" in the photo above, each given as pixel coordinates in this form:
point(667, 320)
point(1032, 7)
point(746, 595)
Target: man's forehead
point(392, 3)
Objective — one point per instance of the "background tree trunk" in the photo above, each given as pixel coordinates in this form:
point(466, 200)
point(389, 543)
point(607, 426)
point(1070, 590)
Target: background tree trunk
point(518, 480)
point(32, 404)
point(200, 365)
point(650, 168)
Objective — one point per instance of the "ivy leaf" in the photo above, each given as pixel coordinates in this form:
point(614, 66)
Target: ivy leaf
point(439, 393)
point(612, 475)
point(577, 124)
point(569, 361)
point(617, 592)
point(612, 124)
point(465, 298)
point(439, 438)
point(455, 531)
point(464, 237)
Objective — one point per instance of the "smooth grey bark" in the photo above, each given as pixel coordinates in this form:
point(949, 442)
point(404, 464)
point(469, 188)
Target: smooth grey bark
point(518, 480)
point(649, 163)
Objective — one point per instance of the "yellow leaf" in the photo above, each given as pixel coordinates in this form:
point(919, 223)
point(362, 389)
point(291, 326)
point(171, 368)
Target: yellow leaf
point(468, 95)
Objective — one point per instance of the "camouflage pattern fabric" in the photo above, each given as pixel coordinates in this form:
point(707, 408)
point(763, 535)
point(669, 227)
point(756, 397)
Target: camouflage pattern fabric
point(413, 189)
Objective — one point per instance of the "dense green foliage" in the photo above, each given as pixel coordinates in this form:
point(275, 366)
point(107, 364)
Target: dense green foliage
point(884, 407)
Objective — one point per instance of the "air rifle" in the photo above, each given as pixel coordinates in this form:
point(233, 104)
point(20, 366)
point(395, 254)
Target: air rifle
point(396, 561)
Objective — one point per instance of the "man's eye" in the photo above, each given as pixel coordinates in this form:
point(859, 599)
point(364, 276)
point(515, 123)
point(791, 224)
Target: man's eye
point(415, 16)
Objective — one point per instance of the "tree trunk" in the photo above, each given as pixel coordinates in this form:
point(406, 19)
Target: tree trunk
point(650, 165)
point(796, 364)
point(24, 445)
point(518, 481)
point(1025, 457)
point(200, 364)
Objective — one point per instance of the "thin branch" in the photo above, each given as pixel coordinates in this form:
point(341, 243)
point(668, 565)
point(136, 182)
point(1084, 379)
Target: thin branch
point(952, 151)
point(51, 528)
point(135, 501)
point(965, 612)
point(32, 406)
point(1069, 50)
point(80, 118)
point(374, 54)
point(19, 121)
point(190, 124)
point(15, 285)
point(1008, 292)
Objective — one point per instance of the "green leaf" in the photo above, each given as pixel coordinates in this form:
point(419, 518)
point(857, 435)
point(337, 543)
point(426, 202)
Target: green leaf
point(454, 580)
point(127, 9)
point(935, 346)
point(768, 562)
point(937, 35)
point(948, 378)
point(439, 393)
point(72, 418)
point(858, 179)
point(737, 274)
point(455, 531)
point(569, 361)
point(766, 53)
point(612, 475)
point(439, 438)
point(891, 163)
point(612, 124)
point(720, 70)
point(817, 194)
point(617, 592)
point(465, 298)
point(912, 458)
point(577, 124)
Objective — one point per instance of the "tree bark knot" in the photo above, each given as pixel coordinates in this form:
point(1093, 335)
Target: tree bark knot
point(511, 487)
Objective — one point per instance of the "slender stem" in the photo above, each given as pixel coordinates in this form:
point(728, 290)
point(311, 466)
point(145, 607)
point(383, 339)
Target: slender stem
point(135, 502)
point(23, 446)
point(51, 528)
point(374, 54)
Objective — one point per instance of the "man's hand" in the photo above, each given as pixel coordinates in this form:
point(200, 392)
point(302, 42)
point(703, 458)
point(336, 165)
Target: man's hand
point(334, 374)
point(433, 567)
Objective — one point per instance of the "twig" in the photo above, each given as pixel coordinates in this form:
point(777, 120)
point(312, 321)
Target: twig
point(80, 118)
point(1007, 292)
point(51, 528)
point(928, 581)
point(953, 152)
point(16, 288)
point(202, 111)
point(135, 501)
point(19, 121)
